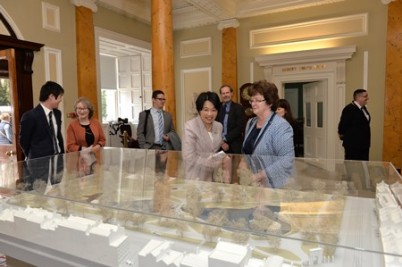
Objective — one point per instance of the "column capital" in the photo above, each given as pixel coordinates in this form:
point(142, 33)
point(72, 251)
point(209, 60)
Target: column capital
point(386, 2)
point(86, 3)
point(229, 23)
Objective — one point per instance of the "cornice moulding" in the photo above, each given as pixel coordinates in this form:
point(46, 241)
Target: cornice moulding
point(86, 3)
point(386, 2)
point(229, 23)
point(307, 56)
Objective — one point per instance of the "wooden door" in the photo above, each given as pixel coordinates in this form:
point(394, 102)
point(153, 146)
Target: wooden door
point(8, 80)
point(315, 125)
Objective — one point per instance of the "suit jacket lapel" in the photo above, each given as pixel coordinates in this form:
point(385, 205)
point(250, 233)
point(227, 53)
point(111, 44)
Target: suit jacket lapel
point(204, 135)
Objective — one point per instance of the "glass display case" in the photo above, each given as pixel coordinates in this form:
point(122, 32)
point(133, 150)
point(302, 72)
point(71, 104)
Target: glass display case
point(129, 207)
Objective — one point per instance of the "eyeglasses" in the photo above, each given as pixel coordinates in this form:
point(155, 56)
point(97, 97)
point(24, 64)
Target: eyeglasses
point(81, 108)
point(256, 100)
point(161, 99)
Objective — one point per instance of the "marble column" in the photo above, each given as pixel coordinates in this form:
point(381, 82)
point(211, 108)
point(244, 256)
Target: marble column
point(229, 54)
point(162, 52)
point(162, 64)
point(392, 146)
point(86, 52)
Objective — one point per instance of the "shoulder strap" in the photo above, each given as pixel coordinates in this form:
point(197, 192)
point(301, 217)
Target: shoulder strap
point(147, 112)
point(3, 134)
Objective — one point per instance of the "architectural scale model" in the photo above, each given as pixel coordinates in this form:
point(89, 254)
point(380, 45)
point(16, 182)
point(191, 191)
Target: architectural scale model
point(106, 244)
point(226, 254)
point(126, 214)
point(390, 219)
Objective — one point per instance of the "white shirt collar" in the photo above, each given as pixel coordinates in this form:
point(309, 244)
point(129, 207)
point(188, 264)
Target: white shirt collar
point(45, 109)
point(357, 104)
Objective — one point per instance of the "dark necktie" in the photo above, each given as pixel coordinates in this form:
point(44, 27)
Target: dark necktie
point(53, 133)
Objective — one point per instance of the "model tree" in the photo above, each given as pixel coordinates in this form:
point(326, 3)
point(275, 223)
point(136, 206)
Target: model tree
point(240, 237)
point(193, 201)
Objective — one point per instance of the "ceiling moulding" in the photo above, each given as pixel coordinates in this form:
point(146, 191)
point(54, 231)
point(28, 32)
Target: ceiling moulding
point(220, 10)
point(317, 30)
point(134, 9)
point(86, 3)
point(307, 56)
point(255, 8)
point(190, 18)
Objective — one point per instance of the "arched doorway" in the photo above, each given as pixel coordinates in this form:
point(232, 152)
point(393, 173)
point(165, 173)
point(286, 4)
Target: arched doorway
point(16, 58)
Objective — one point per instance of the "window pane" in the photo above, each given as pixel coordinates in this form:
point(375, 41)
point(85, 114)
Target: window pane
point(320, 114)
point(126, 105)
point(308, 114)
point(109, 105)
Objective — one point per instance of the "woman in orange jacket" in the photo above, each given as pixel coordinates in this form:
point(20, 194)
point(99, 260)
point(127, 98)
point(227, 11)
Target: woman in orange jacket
point(84, 132)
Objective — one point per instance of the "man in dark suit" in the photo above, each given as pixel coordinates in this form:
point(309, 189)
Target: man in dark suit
point(354, 127)
point(40, 135)
point(231, 115)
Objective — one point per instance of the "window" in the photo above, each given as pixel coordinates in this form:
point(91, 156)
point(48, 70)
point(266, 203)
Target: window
point(125, 76)
point(126, 86)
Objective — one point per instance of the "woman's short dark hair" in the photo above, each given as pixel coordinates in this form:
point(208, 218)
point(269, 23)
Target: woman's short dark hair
point(283, 103)
point(50, 88)
point(211, 97)
point(87, 103)
point(266, 89)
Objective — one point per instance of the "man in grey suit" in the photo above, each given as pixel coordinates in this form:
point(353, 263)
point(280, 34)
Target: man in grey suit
point(155, 125)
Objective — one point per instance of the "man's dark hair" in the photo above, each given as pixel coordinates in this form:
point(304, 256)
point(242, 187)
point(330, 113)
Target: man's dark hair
point(211, 97)
point(156, 93)
point(357, 92)
point(50, 88)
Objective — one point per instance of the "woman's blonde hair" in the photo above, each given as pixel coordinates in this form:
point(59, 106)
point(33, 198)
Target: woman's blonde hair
point(87, 103)
point(5, 116)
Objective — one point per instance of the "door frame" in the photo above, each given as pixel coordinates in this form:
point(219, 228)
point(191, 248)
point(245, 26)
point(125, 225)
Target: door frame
point(9, 56)
point(313, 65)
point(23, 95)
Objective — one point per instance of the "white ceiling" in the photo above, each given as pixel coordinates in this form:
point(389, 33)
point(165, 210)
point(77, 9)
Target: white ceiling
point(193, 13)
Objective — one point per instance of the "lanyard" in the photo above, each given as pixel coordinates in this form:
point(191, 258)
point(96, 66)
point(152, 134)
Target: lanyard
point(262, 133)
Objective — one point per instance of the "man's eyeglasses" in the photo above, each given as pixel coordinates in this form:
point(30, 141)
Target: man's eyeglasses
point(256, 100)
point(161, 99)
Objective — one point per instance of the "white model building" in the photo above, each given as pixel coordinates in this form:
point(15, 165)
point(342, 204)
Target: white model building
point(228, 254)
point(397, 190)
point(384, 196)
point(160, 253)
point(390, 219)
point(199, 259)
point(315, 256)
point(274, 261)
point(152, 252)
point(95, 241)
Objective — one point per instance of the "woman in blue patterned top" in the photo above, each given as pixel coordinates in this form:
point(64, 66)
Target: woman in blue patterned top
point(268, 139)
